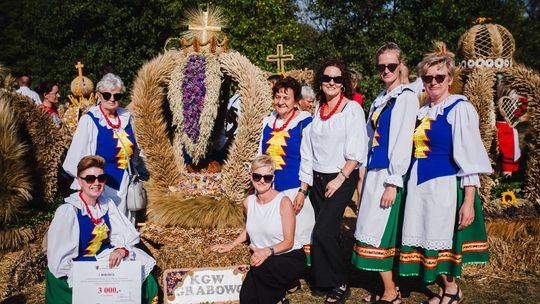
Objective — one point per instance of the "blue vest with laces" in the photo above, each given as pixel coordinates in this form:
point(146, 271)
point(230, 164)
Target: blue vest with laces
point(378, 152)
point(284, 148)
point(91, 241)
point(434, 147)
point(109, 147)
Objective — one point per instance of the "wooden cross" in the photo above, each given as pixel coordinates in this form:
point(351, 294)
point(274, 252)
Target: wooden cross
point(280, 58)
point(79, 67)
point(205, 28)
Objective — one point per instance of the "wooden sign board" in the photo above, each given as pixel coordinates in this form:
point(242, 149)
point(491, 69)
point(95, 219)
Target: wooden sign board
point(200, 285)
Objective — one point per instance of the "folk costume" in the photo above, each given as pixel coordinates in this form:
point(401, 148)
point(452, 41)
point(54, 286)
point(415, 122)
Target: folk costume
point(390, 128)
point(281, 141)
point(448, 155)
point(80, 232)
point(95, 136)
point(326, 146)
point(267, 283)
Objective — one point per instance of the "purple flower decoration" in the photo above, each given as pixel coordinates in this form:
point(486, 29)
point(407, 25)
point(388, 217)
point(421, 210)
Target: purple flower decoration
point(193, 94)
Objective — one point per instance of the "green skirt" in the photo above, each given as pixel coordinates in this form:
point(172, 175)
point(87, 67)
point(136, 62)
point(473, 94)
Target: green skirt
point(57, 290)
point(469, 246)
point(383, 258)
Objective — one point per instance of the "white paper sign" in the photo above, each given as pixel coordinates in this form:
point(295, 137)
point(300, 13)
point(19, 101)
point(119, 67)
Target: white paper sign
point(96, 283)
point(199, 285)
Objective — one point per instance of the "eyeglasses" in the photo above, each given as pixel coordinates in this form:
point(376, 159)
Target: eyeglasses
point(391, 67)
point(336, 79)
point(429, 78)
point(92, 178)
point(116, 96)
point(257, 177)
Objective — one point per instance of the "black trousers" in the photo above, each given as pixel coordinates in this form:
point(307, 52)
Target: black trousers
point(268, 283)
point(327, 261)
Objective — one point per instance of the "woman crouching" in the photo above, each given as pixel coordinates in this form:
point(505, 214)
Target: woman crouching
point(277, 259)
point(90, 228)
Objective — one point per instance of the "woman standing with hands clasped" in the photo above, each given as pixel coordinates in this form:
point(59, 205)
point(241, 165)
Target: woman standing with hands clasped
point(331, 152)
point(391, 123)
point(443, 226)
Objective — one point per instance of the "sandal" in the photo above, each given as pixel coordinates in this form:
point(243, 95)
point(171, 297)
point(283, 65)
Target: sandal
point(397, 298)
point(338, 295)
point(454, 297)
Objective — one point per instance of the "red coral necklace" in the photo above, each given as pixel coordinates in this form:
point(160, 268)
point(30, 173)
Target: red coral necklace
point(94, 220)
point(285, 124)
point(114, 126)
point(323, 107)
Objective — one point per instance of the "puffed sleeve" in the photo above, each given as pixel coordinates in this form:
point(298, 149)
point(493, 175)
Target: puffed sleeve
point(469, 152)
point(400, 140)
point(63, 241)
point(306, 154)
point(356, 141)
point(83, 144)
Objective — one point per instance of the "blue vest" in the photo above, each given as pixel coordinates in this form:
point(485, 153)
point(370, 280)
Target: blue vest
point(109, 147)
point(93, 239)
point(433, 147)
point(284, 148)
point(378, 153)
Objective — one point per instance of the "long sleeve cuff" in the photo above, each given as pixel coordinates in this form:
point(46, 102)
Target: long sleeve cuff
point(396, 180)
point(306, 178)
point(470, 180)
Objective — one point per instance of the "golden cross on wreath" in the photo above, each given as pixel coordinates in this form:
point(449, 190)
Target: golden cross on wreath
point(205, 28)
point(79, 67)
point(280, 58)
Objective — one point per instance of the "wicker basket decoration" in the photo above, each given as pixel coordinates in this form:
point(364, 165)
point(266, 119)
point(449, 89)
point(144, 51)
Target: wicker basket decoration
point(175, 101)
point(487, 46)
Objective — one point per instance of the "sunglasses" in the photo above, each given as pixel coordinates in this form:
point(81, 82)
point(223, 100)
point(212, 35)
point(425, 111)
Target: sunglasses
point(336, 79)
point(257, 177)
point(116, 96)
point(391, 67)
point(92, 178)
point(429, 78)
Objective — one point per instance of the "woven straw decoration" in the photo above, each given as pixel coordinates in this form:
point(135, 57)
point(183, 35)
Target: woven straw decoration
point(487, 45)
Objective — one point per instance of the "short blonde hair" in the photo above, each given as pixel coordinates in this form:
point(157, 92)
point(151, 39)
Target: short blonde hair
point(263, 161)
point(90, 161)
point(440, 56)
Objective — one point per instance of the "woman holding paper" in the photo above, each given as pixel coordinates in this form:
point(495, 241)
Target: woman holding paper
point(90, 228)
point(278, 258)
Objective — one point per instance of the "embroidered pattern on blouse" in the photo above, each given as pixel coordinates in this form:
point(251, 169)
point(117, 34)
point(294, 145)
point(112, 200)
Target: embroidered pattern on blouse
point(275, 148)
point(375, 124)
point(100, 234)
point(421, 139)
point(123, 138)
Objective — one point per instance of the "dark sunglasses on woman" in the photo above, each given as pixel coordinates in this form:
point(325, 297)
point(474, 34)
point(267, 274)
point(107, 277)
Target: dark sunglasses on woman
point(429, 78)
point(391, 67)
point(257, 177)
point(92, 178)
point(116, 96)
point(337, 79)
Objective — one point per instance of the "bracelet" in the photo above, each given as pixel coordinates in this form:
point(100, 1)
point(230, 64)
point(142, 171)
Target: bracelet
point(304, 192)
point(272, 252)
point(341, 171)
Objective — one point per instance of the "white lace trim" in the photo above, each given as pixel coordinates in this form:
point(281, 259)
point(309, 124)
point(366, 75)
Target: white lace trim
point(427, 244)
point(369, 239)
